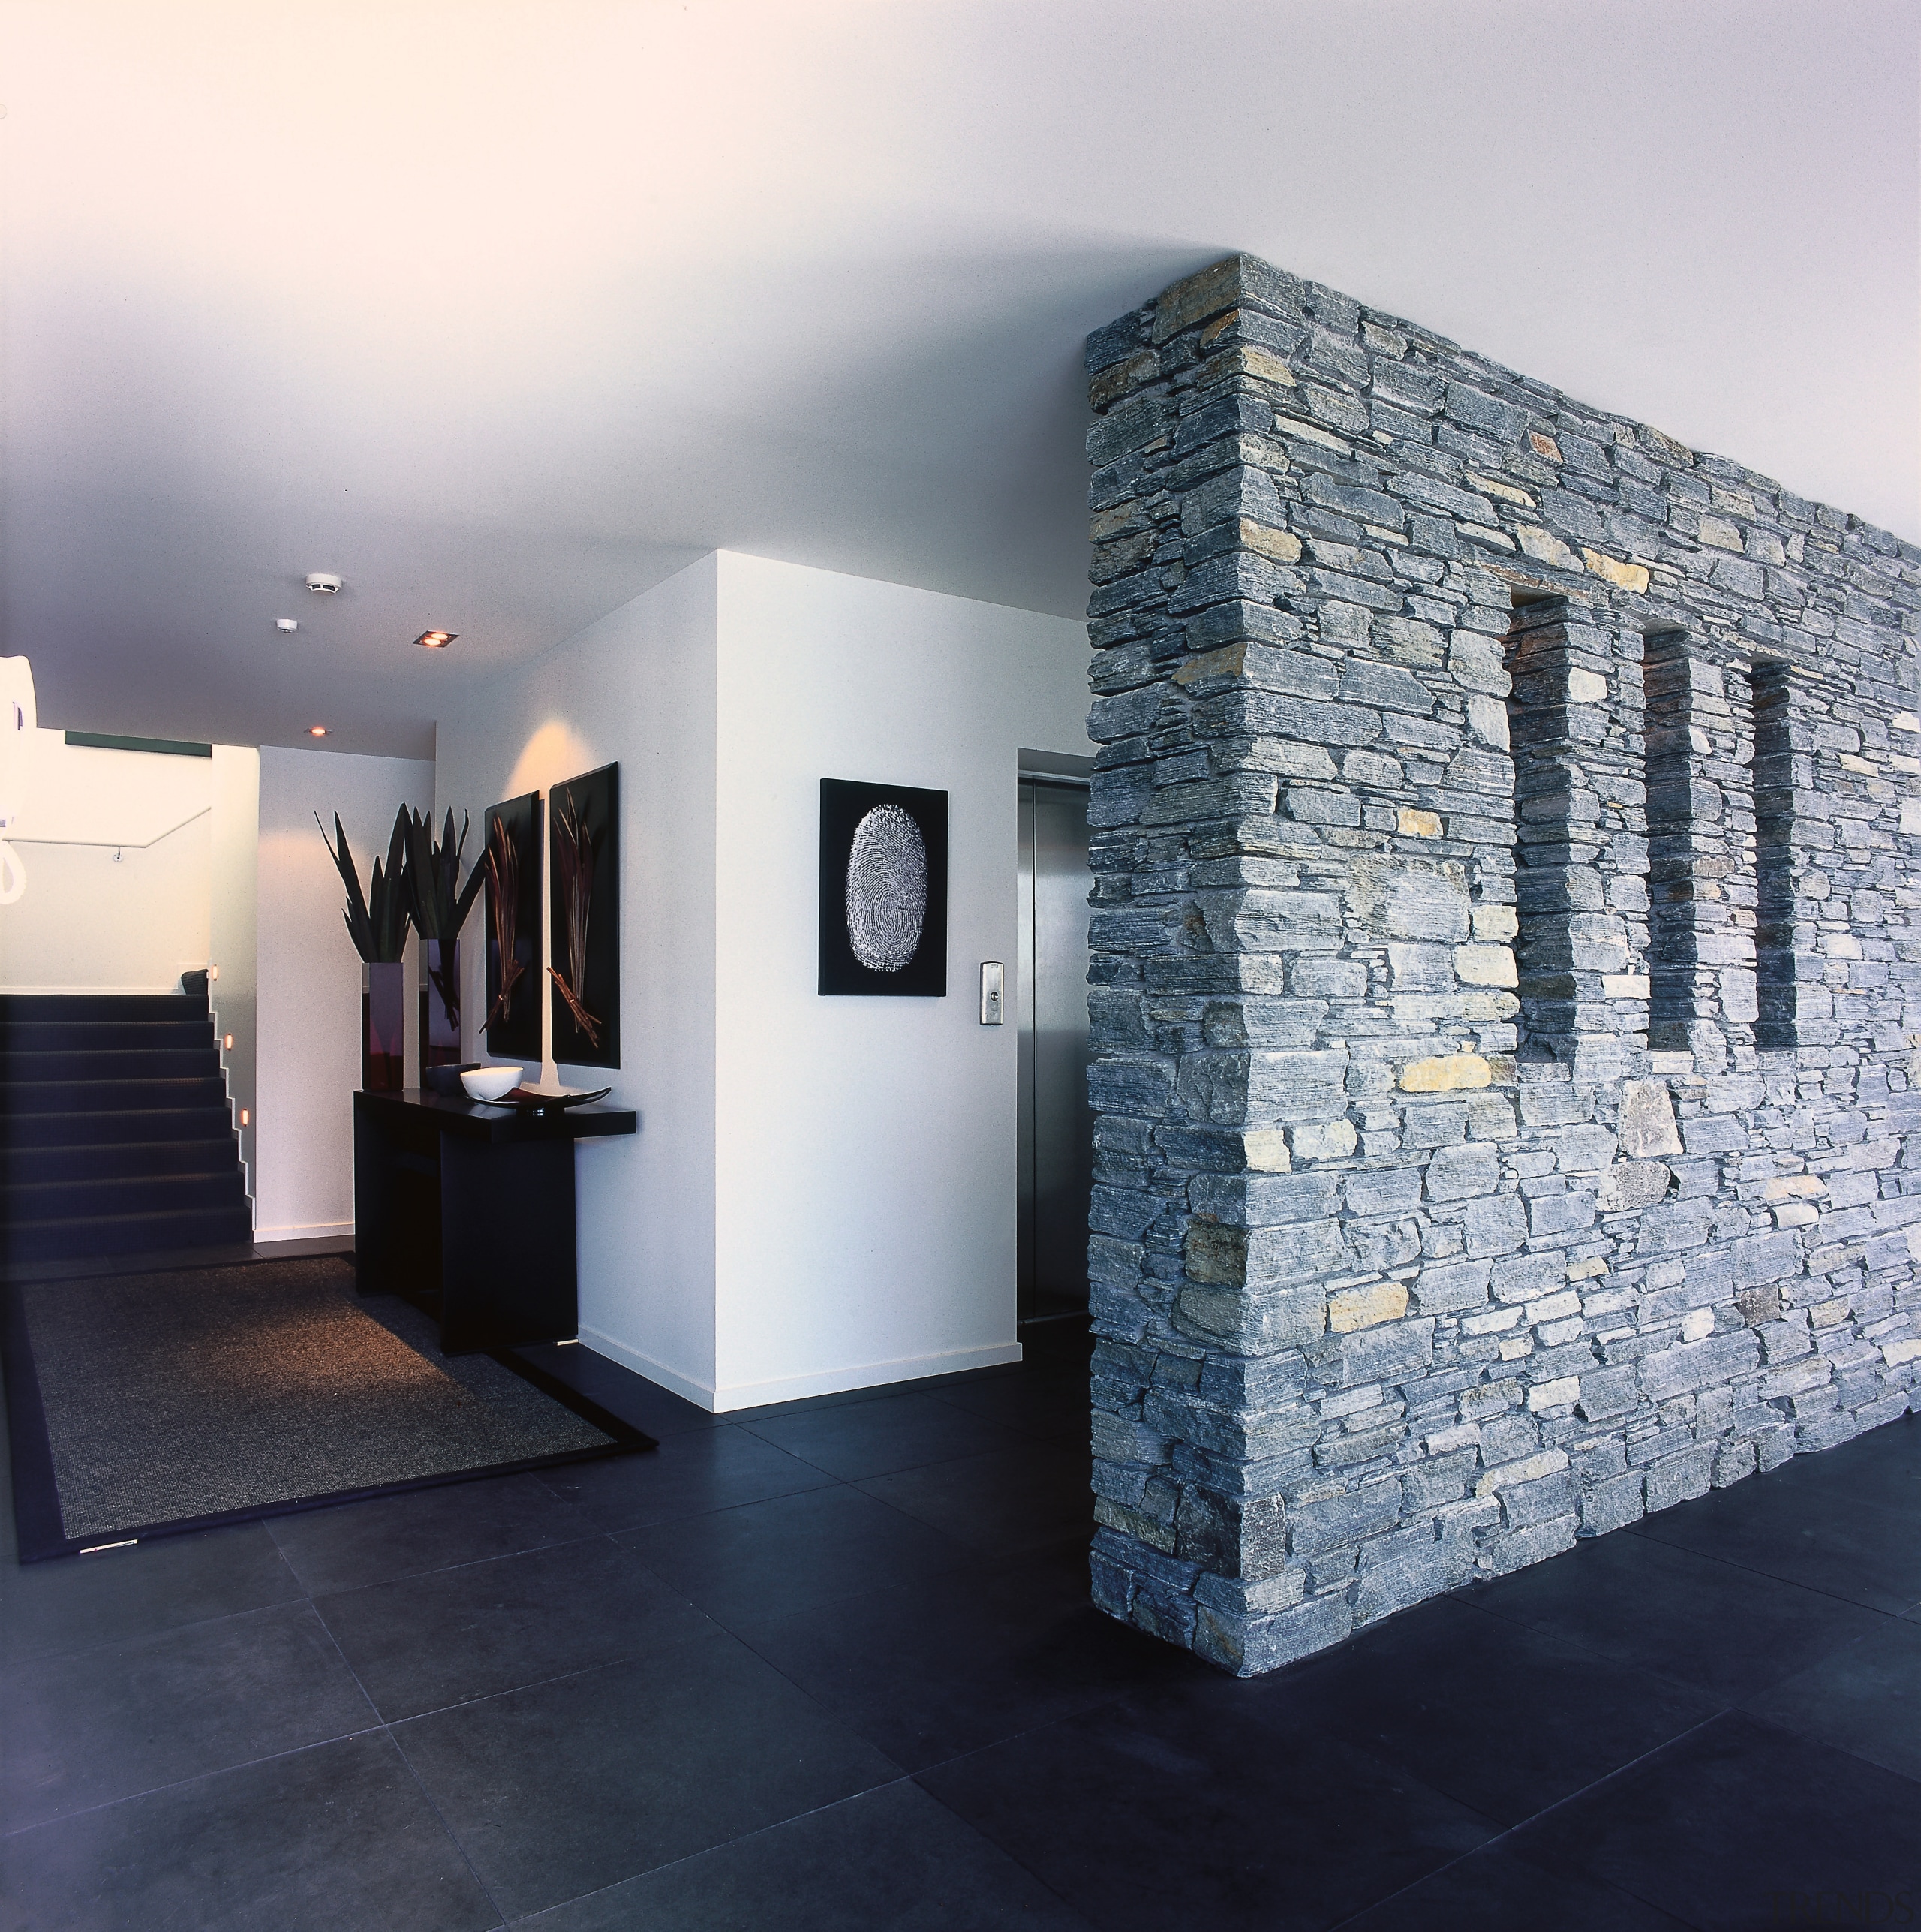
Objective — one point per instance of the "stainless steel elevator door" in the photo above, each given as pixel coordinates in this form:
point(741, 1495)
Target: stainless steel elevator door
point(1057, 1126)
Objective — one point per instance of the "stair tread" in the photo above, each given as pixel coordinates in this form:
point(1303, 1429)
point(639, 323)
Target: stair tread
point(116, 1127)
point(156, 1230)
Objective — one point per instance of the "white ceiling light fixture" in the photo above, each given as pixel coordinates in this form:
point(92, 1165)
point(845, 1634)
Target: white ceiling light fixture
point(289, 624)
point(326, 581)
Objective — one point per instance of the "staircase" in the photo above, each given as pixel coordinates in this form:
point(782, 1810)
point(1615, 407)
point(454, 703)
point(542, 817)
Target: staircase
point(116, 1134)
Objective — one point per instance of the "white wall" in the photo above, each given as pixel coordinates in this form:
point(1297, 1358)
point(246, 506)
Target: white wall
point(866, 1182)
point(638, 688)
point(823, 1193)
point(233, 836)
point(308, 1029)
point(91, 921)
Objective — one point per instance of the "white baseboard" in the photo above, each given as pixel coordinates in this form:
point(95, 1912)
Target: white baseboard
point(683, 1385)
point(312, 1231)
point(796, 1388)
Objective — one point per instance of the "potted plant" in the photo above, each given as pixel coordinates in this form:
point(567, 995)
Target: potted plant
point(439, 905)
point(376, 922)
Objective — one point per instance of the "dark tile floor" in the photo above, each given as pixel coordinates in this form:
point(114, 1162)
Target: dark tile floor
point(833, 1665)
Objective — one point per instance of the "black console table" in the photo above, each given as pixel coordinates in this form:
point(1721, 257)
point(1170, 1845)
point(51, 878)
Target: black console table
point(468, 1209)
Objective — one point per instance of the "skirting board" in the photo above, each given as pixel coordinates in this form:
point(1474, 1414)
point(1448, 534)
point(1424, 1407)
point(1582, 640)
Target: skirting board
point(795, 1388)
point(316, 1231)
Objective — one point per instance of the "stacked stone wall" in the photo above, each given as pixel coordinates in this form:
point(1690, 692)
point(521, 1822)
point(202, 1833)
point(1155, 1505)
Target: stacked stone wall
point(1505, 976)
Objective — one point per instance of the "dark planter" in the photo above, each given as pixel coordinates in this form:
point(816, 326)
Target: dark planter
point(439, 1004)
point(383, 1023)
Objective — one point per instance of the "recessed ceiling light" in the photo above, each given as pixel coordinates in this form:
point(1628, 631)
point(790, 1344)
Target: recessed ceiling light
point(316, 731)
point(437, 640)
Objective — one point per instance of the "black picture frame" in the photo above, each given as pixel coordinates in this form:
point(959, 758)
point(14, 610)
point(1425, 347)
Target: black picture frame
point(592, 802)
point(515, 1035)
point(845, 806)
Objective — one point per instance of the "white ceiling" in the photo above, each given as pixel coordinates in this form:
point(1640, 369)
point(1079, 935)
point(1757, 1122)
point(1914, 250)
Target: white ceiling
point(506, 311)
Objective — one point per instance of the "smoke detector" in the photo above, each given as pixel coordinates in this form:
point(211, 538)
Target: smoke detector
point(327, 581)
point(289, 624)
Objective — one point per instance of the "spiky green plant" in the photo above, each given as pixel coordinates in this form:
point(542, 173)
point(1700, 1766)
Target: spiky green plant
point(438, 905)
point(377, 922)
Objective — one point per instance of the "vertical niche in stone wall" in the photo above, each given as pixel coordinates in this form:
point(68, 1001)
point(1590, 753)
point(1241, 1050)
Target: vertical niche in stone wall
point(1779, 940)
point(1702, 887)
point(1574, 722)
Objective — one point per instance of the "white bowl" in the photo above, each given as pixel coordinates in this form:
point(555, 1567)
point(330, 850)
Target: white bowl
point(490, 1083)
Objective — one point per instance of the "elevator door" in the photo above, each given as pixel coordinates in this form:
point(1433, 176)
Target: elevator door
point(1056, 1126)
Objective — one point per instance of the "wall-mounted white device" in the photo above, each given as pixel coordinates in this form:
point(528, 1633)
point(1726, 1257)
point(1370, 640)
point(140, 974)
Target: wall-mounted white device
point(993, 982)
point(19, 718)
point(324, 580)
point(289, 624)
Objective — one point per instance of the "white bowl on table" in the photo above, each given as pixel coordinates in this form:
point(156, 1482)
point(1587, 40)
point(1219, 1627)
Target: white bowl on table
point(491, 1083)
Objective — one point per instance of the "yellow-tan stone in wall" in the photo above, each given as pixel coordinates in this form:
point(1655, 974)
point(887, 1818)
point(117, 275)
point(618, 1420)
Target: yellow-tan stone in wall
point(1366, 1307)
point(1564, 1388)
point(1446, 1073)
point(1229, 661)
point(1526, 1469)
point(1491, 486)
point(1546, 548)
point(1485, 965)
point(1627, 577)
point(1245, 359)
point(1283, 545)
point(1414, 823)
point(1495, 923)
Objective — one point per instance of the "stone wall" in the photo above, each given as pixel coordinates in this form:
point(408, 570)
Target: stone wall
point(1504, 985)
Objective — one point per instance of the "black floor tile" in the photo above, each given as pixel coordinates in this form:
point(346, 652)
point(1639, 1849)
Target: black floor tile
point(1881, 1466)
point(454, 1634)
point(388, 1536)
point(1865, 1698)
point(1496, 1890)
point(84, 1730)
point(1166, 1811)
point(71, 1603)
point(889, 1861)
point(688, 1475)
point(1052, 1406)
point(337, 1839)
point(840, 1398)
point(1825, 1538)
point(1505, 1718)
point(642, 1404)
point(792, 1554)
point(948, 1665)
point(862, 1439)
point(563, 1789)
point(1007, 1500)
point(1724, 1828)
point(1726, 1631)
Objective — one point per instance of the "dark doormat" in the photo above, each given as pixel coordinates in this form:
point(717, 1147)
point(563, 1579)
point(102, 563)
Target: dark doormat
point(148, 1404)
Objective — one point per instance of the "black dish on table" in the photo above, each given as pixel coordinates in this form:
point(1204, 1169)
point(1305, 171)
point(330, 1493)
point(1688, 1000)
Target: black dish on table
point(522, 1101)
